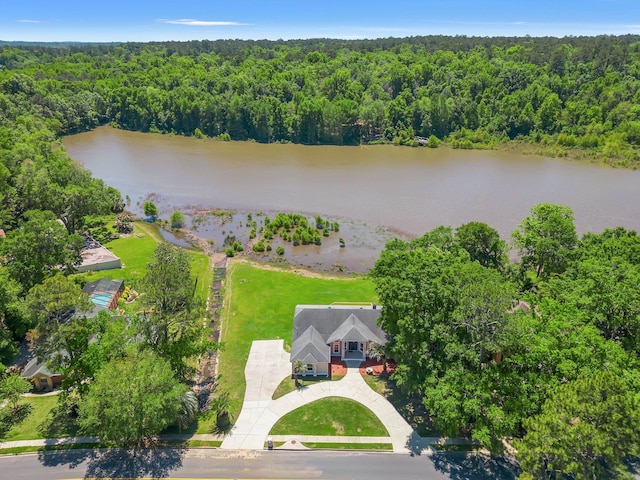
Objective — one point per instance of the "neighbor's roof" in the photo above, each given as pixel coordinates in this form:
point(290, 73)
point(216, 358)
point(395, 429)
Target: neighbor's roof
point(310, 347)
point(102, 286)
point(33, 367)
point(102, 292)
point(93, 253)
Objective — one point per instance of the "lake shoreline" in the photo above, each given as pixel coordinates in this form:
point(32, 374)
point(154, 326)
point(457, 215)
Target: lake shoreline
point(510, 146)
point(404, 191)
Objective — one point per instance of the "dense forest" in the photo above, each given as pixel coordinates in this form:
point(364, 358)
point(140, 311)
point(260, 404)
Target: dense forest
point(576, 96)
point(545, 351)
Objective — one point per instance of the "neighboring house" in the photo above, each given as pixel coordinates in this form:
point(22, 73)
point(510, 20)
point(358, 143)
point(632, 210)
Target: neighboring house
point(95, 257)
point(40, 376)
point(38, 373)
point(342, 331)
point(104, 293)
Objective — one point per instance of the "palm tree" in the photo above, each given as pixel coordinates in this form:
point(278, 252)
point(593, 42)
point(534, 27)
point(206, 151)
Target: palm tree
point(188, 410)
point(377, 352)
point(221, 404)
point(298, 366)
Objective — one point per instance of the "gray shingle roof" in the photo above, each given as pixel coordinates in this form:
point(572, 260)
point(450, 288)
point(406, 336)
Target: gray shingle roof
point(316, 326)
point(34, 367)
point(352, 329)
point(310, 347)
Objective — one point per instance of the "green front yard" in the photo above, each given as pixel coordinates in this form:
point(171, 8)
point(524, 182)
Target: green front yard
point(38, 417)
point(259, 305)
point(331, 416)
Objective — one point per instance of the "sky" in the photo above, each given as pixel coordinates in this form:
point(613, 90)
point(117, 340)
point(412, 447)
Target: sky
point(158, 20)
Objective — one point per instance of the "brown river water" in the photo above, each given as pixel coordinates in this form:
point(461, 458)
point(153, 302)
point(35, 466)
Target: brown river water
point(372, 190)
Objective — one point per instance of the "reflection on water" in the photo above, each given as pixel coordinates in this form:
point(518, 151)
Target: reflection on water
point(407, 189)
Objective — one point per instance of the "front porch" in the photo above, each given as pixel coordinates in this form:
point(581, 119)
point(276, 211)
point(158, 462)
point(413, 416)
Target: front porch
point(349, 350)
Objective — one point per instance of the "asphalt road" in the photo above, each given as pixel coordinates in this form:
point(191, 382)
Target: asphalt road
point(209, 463)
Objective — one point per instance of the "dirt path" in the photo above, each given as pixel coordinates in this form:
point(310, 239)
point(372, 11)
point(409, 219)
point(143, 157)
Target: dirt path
point(152, 232)
point(296, 270)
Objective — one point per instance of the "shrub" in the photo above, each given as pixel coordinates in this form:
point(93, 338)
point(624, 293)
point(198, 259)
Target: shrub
point(280, 250)
point(150, 210)
point(177, 220)
point(433, 142)
point(124, 222)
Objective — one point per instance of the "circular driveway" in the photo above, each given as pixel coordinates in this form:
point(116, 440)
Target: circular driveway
point(268, 364)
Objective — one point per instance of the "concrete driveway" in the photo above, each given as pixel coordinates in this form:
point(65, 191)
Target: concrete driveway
point(268, 365)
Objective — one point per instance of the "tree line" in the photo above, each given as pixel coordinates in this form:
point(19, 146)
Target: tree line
point(562, 95)
point(545, 351)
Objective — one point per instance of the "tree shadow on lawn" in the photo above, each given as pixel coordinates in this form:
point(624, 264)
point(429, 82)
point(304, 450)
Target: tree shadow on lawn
point(9, 418)
point(461, 466)
point(118, 462)
point(60, 422)
point(410, 407)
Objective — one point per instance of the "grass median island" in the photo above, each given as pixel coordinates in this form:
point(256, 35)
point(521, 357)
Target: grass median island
point(259, 306)
point(288, 385)
point(333, 416)
point(349, 446)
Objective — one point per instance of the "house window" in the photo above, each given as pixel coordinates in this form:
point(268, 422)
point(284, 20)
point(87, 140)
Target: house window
point(309, 367)
point(361, 347)
point(353, 346)
point(43, 381)
point(336, 347)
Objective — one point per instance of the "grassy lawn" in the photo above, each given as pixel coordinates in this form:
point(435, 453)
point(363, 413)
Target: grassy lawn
point(288, 385)
point(350, 446)
point(259, 305)
point(331, 416)
point(40, 419)
point(136, 250)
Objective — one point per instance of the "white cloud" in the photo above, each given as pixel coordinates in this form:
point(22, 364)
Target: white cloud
point(200, 23)
point(29, 21)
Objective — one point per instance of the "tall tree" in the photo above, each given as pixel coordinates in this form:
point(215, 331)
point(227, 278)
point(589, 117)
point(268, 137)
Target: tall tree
point(446, 316)
point(483, 244)
point(51, 306)
point(39, 248)
point(11, 389)
point(167, 283)
point(131, 400)
point(545, 238)
point(13, 324)
point(173, 328)
point(585, 429)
